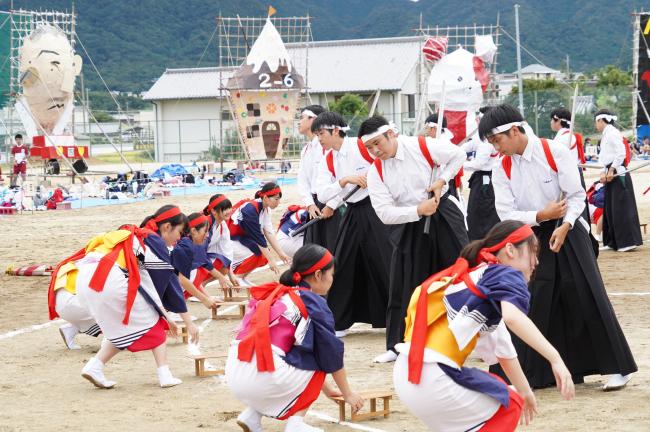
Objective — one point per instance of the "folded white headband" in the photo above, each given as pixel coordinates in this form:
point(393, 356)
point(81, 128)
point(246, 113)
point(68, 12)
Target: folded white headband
point(607, 117)
point(382, 130)
point(332, 127)
point(432, 124)
point(308, 113)
point(557, 118)
point(503, 128)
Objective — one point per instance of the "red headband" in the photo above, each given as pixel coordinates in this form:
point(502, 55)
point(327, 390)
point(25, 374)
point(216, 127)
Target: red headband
point(322, 263)
point(274, 191)
point(199, 221)
point(517, 236)
point(215, 202)
point(153, 223)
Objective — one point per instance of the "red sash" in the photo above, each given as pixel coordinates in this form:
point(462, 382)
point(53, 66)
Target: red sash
point(258, 340)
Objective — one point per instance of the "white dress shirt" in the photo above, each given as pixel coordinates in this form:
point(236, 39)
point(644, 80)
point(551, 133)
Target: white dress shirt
point(612, 149)
point(562, 137)
point(485, 155)
point(533, 184)
point(407, 176)
point(347, 162)
point(310, 157)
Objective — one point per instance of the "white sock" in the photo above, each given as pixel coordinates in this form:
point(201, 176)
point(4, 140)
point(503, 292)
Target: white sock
point(252, 419)
point(297, 424)
point(166, 378)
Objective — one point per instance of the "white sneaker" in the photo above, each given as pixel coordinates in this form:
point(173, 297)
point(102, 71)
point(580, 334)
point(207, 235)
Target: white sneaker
point(250, 420)
point(93, 371)
point(166, 378)
point(297, 424)
point(604, 248)
point(617, 382)
point(194, 300)
point(626, 249)
point(341, 333)
point(387, 357)
point(68, 333)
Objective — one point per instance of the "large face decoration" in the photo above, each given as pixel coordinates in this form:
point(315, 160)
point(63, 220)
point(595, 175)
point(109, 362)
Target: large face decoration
point(48, 68)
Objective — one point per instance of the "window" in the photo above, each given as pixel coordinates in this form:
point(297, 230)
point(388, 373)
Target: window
point(410, 102)
point(253, 109)
point(253, 131)
point(226, 115)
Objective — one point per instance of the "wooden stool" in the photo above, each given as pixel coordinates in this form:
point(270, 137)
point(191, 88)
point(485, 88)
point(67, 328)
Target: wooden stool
point(240, 304)
point(371, 396)
point(645, 228)
point(199, 365)
point(8, 210)
point(184, 334)
point(228, 295)
point(64, 205)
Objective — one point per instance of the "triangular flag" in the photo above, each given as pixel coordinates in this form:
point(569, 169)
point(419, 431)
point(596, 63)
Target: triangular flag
point(272, 11)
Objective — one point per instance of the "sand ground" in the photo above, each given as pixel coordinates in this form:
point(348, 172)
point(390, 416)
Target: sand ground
point(41, 388)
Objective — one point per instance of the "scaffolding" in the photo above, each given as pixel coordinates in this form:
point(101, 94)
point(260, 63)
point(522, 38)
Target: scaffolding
point(236, 35)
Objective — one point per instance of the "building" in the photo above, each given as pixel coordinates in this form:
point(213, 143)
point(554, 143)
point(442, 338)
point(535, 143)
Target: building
point(192, 113)
point(535, 71)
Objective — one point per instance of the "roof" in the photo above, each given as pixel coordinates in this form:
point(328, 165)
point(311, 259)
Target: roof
point(357, 65)
point(538, 69)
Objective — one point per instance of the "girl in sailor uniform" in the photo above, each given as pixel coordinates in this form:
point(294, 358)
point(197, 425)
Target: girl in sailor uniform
point(621, 230)
point(252, 232)
point(218, 243)
point(64, 303)
point(286, 345)
point(537, 183)
point(127, 281)
point(191, 260)
point(469, 307)
point(402, 202)
point(292, 219)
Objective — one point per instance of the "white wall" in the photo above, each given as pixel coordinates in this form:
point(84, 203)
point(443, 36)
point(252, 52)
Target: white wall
point(198, 120)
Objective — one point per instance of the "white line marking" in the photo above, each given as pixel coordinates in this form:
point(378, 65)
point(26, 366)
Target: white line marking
point(30, 329)
point(638, 294)
point(346, 424)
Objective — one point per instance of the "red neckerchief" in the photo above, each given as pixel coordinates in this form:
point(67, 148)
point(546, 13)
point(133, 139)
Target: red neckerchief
point(258, 340)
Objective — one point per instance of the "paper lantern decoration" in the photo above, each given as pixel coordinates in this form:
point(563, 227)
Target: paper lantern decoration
point(263, 94)
point(435, 48)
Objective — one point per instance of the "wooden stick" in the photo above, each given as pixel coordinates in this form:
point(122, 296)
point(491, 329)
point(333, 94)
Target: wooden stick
point(316, 219)
point(434, 171)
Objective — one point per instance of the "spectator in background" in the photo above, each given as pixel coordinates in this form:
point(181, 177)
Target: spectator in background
point(645, 147)
point(20, 153)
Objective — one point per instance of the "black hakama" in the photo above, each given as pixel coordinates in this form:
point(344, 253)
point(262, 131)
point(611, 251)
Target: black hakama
point(620, 216)
point(481, 213)
point(360, 289)
point(325, 231)
point(416, 256)
point(570, 307)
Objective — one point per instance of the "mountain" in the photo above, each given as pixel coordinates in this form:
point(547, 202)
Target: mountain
point(133, 41)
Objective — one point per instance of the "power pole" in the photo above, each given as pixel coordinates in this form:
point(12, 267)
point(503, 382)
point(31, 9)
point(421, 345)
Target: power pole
point(519, 79)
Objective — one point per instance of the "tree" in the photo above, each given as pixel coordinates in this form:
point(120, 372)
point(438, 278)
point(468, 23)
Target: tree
point(611, 76)
point(352, 108)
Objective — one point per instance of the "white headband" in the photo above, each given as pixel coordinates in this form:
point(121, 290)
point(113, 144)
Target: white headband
point(332, 127)
point(308, 113)
point(382, 130)
point(607, 117)
point(559, 119)
point(432, 124)
point(503, 128)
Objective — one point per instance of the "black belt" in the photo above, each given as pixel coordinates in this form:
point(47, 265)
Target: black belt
point(364, 201)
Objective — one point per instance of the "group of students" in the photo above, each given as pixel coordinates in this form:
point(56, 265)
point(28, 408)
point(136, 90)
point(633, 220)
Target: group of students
point(404, 261)
point(127, 284)
point(392, 221)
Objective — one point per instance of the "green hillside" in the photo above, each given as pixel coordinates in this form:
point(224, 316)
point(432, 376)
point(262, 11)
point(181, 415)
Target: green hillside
point(132, 42)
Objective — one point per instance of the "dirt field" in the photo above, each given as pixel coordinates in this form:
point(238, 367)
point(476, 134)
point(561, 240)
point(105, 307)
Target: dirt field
point(41, 388)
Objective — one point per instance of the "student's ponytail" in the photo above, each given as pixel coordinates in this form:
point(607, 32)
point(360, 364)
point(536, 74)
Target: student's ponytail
point(306, 262)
